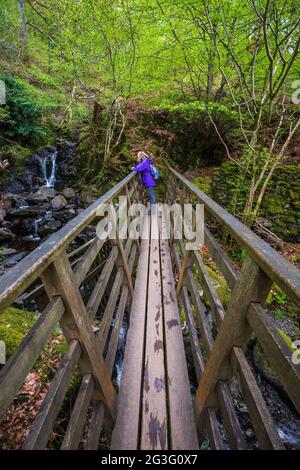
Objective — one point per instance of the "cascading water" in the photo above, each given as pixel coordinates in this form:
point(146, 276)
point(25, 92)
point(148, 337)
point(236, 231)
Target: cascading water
point(49, 163)
point(118, 367)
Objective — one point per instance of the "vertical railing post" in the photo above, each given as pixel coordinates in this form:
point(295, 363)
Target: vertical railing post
point(76, 324)
point(253, 285)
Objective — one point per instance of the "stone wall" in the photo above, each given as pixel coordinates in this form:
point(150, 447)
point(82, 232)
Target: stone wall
point(281, 203)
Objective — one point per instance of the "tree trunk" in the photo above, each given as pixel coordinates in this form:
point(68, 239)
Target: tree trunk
point(210, 78)
point(23, 34)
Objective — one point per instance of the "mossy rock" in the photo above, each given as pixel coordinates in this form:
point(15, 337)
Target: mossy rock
point(263, 365)
point(14, 325)
point(221, 286)
point(281, 201)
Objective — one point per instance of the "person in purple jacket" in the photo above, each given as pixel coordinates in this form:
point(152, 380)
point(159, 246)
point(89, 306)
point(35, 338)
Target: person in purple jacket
point(144, 167)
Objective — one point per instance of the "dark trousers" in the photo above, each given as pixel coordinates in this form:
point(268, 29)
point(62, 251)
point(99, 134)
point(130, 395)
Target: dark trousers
point(152, 199)
point(151, 194)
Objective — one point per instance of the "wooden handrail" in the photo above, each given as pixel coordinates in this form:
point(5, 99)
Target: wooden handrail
point(75, 313)
point(281, 271)
point(13, 284)
point(225, 356)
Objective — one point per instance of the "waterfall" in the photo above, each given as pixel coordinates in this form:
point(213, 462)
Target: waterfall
point(49, 162)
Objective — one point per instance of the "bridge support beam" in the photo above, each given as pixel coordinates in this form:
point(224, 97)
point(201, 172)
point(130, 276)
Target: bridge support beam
point(253, 285)
point(58, 281)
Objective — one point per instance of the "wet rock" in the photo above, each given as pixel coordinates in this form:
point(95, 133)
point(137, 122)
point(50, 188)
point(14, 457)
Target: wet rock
point(43, 194)
point(26, 243)
point(9, 251)
point(37, 181)
point(23, 226)
point(59, 202)
point(5, 234)
point(2, 211)
point(6, 224)
point(49, 228)
point(14, 259)
point(50, 148)
point(264, 367)
point(24, 212)
point(69, 193)
point(46, 206)
point(63, 216)
point(2, 215)
point(88, 198)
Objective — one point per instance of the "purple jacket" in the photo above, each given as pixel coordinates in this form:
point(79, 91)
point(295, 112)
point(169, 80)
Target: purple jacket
point(144, 169)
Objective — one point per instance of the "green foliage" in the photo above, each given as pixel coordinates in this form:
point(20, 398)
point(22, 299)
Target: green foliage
point(20, 118)
point(279, 314)
point(238, 254)
point(195, 109)
point(203, 183)
point(280, 298)
point(14, 325)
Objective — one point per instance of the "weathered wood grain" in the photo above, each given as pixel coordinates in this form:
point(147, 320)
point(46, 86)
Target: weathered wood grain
point(253, 285)
point(261, 418)
point(77, 325)
point(126, 431)
point(154, 433)
point(223, 262)
point(183, 434)
point(231, 422)
point(43, 424)
point(96, 422)
point(76, 423)
point(210, 290)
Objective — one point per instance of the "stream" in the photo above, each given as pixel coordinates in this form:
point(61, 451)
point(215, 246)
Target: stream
point(38, 202)
point(49, 163)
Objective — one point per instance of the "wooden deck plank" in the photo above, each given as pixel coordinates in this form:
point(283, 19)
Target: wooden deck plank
point(97, 417)
point(126, 432)
point(182, 420)
point(154, 413)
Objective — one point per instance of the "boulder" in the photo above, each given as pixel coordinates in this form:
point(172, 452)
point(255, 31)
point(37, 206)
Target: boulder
point(26, 243)
point(264, 367)
point(24, 212)
point(58, 202)
point(2, 214)
point(9, 251)
point(64, 216)
point(44, 193)
point(88, 198)
point(5, 234)
point(23, 226)
point(14, 259)
point(69, 193)
point(49, 228)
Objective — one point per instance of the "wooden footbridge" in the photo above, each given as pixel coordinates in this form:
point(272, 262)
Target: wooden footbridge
point(158, 285)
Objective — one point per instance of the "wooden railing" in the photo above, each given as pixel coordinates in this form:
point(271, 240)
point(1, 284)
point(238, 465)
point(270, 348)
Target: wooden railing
point(218, 349)
point(218, 359)
point(88, 345)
